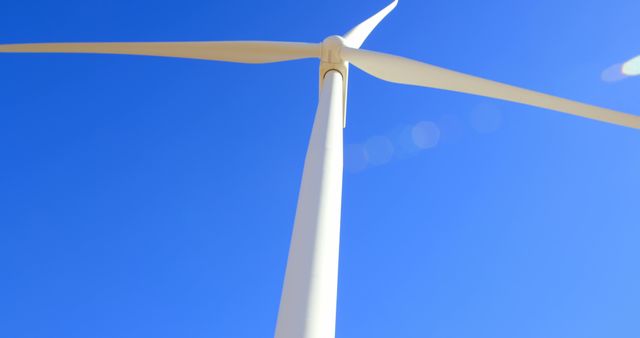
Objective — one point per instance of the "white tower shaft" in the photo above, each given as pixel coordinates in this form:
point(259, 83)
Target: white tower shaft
point(309, 295)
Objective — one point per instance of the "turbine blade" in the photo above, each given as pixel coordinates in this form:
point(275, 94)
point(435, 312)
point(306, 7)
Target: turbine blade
point(406, 71)
point(232, 51)
point(356, 36)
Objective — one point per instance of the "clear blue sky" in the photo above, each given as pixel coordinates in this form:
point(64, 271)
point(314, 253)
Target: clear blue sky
point(154, 197)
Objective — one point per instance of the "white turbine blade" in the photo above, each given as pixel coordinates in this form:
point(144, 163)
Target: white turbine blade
point(232, 51)
point(406, 71)
point(356, 36)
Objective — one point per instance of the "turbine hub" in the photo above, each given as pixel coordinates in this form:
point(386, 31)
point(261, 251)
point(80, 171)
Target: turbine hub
point(332, 48)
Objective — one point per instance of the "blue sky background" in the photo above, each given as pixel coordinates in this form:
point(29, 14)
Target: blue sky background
point(154, 197)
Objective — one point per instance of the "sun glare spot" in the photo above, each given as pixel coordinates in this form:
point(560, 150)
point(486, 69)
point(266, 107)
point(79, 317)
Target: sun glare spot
point(632, 67)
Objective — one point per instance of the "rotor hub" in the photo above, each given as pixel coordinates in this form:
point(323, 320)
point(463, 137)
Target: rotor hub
point(332, 48)
point(331, 58)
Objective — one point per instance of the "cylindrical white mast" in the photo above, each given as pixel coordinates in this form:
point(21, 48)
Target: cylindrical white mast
point(309, 295)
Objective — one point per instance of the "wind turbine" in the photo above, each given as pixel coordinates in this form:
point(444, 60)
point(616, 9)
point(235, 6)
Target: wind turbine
point(308, 303)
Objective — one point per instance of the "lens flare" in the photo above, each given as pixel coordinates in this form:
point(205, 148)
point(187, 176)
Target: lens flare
point(355, 158)
point(379, 150)
point(613, 73)
point(425, 134)
point(402, 139)
point(486, 118)
point(632, 67)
